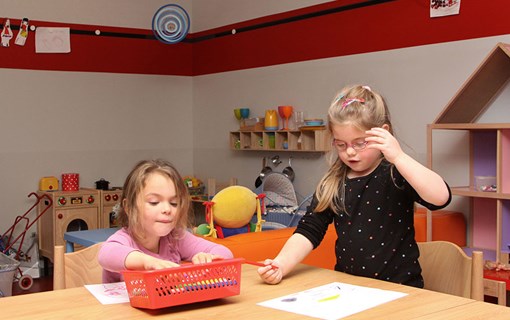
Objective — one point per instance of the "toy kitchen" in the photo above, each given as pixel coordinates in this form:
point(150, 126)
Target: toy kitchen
point(73, 209)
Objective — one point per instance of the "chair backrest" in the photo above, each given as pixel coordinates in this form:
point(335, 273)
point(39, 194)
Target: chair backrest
point(446, 268)
point(214, 186)
point(75, 269)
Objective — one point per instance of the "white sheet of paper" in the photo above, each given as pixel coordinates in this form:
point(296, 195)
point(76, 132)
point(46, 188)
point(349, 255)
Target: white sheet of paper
point(109, 293)
point(447, 8)
point(332, 301)
point(52, 40)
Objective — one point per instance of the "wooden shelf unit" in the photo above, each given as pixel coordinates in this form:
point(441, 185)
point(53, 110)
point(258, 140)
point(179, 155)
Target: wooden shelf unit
point(489, 154)
point(294, 140)
point(489, 150)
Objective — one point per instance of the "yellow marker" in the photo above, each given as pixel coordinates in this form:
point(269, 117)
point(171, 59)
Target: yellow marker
point(329, 298)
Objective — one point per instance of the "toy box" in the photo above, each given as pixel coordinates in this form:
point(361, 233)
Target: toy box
point(48, 184)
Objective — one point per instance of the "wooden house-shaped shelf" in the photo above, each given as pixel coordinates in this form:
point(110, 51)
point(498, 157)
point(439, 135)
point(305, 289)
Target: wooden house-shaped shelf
point(489, 155)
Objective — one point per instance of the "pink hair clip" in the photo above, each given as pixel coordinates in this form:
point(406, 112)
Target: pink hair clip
point(349, 101)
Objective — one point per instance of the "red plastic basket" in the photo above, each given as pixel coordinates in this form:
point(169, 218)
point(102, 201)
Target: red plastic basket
point(156, 289)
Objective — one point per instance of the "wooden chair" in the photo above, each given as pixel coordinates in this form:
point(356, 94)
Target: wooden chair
point(75, 269)
point(446, 268)
point(494, 288)
point(214, 186)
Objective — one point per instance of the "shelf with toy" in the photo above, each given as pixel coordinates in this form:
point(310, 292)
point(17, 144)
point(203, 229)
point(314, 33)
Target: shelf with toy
point(488, 146)
point(303, 140)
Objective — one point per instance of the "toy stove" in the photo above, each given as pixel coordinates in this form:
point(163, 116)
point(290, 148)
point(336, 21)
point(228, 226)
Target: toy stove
point(109, 198)
point(70, 211)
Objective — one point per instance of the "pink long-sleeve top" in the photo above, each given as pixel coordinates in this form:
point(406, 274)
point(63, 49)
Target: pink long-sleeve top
point(114, 251)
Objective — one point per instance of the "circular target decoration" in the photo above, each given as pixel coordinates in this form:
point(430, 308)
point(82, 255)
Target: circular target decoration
point(170, 23)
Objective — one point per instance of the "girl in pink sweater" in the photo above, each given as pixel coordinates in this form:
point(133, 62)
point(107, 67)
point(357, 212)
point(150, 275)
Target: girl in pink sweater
point(154, 216)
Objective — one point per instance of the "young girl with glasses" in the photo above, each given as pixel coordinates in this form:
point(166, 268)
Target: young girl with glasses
point(154, 210)
point(369, 193)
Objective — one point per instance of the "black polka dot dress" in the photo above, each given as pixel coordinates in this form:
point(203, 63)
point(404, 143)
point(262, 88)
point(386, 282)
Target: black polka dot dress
point(376, 233)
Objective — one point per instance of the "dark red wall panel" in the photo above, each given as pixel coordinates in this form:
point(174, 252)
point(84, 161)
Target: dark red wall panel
point(270, 40)
point(117, 54)
point(390, 25)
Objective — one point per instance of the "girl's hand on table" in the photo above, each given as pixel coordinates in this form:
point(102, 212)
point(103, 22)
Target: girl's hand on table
point(269, 273)
point(203, 257)
point(152, 263)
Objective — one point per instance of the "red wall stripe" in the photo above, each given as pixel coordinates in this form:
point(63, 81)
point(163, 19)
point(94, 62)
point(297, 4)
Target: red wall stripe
point(93, 53)
point(390, 25)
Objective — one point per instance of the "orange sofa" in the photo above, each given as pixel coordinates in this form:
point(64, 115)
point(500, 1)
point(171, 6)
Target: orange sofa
point(446, 225)
point(259, 246)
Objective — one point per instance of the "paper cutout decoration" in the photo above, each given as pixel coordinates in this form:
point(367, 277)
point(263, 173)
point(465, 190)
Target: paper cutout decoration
point(52, 40)
point(170, 24)
point(441, 8)
point(6, 33)
point(22, 36)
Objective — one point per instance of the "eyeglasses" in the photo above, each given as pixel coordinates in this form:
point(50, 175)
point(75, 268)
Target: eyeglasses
point(357, 145)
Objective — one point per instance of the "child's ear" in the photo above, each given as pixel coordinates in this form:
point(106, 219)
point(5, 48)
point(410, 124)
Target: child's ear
point(386, 127)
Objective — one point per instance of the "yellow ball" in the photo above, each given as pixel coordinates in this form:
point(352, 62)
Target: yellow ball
point(234, 206)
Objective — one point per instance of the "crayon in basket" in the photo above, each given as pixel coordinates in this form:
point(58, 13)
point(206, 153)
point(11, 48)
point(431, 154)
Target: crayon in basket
point(153, 289)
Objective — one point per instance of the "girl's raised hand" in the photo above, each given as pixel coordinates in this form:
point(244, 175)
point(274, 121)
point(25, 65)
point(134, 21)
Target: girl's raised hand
point(269, 274)
point(383, 140)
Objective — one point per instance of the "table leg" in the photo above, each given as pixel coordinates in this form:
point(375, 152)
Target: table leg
point(69, 246)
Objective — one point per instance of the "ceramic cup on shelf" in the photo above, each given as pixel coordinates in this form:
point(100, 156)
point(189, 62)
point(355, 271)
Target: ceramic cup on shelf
point(237, 114)
point(245, 113)
point(271, 120)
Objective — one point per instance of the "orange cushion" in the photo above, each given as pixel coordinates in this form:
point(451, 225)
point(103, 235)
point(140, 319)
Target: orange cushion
point(259, 246)
point(446, 225)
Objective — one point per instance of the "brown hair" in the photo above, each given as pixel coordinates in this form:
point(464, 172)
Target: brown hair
point(363, 108)
point(131, 201)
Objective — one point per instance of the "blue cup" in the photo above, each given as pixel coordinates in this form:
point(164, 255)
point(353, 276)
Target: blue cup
point(245, 113)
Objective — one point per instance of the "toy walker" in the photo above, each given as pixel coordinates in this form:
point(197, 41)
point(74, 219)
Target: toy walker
point(8, 240)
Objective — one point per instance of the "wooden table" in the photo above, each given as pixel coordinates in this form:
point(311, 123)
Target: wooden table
point(78, 303)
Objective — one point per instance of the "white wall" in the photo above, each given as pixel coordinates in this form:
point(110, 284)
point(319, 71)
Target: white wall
point(116, 13)
point(99, 124)
point(96, 124)
point(417, 82)
point(204, 14)
point(226, 12)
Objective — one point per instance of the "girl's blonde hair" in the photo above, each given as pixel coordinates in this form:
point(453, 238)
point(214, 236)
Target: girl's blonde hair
point(131, 202)
point(363, 108)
